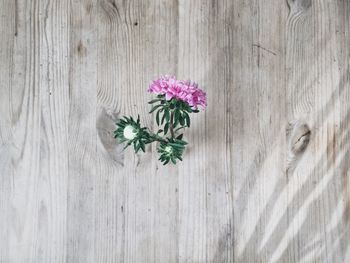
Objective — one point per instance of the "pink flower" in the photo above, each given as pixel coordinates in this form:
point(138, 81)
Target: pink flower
point(186, 91)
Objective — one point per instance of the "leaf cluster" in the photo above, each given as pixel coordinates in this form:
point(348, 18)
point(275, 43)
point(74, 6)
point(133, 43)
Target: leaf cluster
point(173, 113)
point(171, 150)
point(142, 137)
point(171, 116)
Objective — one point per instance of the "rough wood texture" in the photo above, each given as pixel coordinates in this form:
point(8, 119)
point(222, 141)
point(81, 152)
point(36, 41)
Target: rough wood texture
point(266, 176)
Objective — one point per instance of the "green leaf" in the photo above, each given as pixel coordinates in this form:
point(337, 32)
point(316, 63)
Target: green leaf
point(142, 145)
point(163, 118)
point(187, 118)
point(155, 107)
point(177, 115)
point(182, 120)
point(157, 117)
point(167, 114)
point(166, 127)
point(136, 148)
point(181, 142)
point(176, 144)
point(180, 128)
point(180, 136)
point(153, 101)
point(127, 145)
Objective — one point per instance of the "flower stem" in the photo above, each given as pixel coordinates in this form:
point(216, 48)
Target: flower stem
point(157, 138)
point(172, 125)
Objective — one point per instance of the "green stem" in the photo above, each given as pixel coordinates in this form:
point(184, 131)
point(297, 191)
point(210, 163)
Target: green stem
point(172, 125)
point(157, 138)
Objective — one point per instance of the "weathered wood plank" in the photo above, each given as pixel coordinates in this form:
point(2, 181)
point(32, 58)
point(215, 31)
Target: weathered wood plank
point(205, 182)
point(258, 125)
point(7, 169)
point(83, 165)
point(318, 86)
point(137, 42)
point(34, 134)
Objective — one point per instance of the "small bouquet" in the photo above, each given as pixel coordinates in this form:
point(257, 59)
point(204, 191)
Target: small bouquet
point(176, 100)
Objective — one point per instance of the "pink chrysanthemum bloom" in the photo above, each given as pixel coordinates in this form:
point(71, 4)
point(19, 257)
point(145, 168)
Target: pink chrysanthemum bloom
point(186, 91)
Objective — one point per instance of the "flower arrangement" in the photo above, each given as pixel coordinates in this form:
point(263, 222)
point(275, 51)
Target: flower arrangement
point(175, 101)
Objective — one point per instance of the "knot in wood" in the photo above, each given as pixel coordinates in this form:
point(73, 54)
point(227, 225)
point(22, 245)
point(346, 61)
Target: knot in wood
point(300, 138)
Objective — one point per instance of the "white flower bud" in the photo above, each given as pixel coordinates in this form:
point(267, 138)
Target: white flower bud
point(129, 132)
point(168, 149)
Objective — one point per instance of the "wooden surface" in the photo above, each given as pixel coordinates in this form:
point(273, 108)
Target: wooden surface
point(266, 175)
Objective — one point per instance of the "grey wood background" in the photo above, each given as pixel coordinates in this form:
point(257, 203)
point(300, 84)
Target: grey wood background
point(266, 176)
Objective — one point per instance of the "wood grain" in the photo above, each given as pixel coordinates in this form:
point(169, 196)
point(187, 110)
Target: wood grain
point(265, 177)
